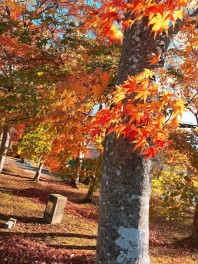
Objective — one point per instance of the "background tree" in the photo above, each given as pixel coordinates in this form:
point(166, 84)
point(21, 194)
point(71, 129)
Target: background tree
point(35, 145)
point(94, 169)
point(175, 180)
point(5, 141)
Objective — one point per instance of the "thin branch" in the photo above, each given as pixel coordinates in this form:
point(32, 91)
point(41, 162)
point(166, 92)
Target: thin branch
point(20, 119)
point(187, 126)
point(191, 99)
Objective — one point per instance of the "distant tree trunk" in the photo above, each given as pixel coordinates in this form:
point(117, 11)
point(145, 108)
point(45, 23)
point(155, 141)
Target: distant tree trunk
point(195, 223)
point(75, 181)
point(92, 186)
point(5, 141)
point(123, 232)
point(38, 173)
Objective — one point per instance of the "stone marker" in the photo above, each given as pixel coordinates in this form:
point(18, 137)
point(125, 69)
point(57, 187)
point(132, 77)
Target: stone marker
point(55, 209)
point(11, 222)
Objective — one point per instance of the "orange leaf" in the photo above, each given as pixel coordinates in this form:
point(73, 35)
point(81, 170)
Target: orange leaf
point(155, 58)
point(150, 152)
point(142, 94)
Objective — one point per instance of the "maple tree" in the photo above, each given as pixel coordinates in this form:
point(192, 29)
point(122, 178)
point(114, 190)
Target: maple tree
point(131, 114)
point(94, 168)
point(155, 108)
point(41, 38)
point(175, 177)
point(76, 99)
point(188, 140)
point(52, 76)
point(21, 58)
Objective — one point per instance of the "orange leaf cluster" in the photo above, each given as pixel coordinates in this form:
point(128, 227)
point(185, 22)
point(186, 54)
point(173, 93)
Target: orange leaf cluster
point(140, 112)
point(95, 83)
point(107, 19)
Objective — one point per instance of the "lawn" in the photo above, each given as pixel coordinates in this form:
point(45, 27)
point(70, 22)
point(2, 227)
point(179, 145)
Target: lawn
point(74, 240)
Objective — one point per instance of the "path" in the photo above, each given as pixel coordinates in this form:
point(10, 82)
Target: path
point(30, 169)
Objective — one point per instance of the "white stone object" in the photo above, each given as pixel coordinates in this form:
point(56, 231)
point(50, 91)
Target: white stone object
point(11, 222)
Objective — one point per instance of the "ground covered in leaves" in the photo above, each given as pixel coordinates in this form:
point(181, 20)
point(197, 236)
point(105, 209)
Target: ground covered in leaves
point(74, 240)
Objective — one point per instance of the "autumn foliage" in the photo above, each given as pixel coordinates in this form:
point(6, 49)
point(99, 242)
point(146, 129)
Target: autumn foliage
point(55, 78)
point(145, 108)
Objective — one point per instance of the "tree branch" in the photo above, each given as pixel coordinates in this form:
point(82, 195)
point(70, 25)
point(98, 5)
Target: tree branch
point(187, 126)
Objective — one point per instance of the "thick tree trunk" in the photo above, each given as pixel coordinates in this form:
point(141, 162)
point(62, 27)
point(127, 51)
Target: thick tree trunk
point(195, 223)
point(5, 141)
point(38, 173)
point(123, 232)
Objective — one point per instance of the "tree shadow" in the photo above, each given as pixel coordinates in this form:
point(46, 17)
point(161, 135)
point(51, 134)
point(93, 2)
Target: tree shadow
point(20, 249)
point(22, 219)
point(16, 175)
point(73, 247)
point(187, 242)
point(182, 245)
point(42, 194)
point(48, 234)
point(32, 192)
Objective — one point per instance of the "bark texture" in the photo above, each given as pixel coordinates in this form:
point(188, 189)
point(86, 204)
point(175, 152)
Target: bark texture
point(124, 205)
point(38, 173)
point(123, 232)
point(5, 141)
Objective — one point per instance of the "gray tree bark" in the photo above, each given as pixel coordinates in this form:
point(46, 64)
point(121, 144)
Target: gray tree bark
point(38, 173)
point(5, 141)
point(123, 232)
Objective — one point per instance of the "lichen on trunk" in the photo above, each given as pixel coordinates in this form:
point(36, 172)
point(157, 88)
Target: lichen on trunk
point(123, 232)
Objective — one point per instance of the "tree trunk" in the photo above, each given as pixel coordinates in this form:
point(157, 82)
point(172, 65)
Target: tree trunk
point(75, 181)
point(38, 173)
point(195, 223)
point(92, 186)
point(5, 141)
point(123, 232)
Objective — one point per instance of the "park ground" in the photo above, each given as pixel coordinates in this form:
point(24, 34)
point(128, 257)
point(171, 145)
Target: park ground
point(74, 240)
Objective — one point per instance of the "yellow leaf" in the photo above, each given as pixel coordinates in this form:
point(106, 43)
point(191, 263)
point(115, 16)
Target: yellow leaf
point(119, 95)
point(40, 73)
point(160, 22)
point(178, 14)
point(174, 123)
point(148, 73)
point(142, 94)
